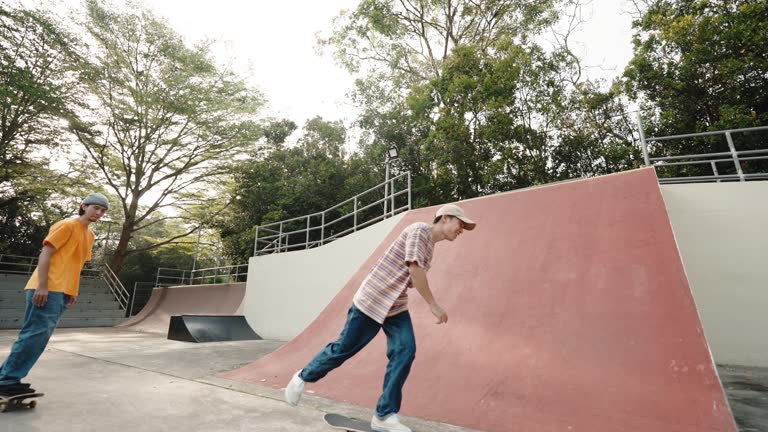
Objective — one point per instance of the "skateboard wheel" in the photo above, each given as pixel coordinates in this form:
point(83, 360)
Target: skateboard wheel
point(33, 404)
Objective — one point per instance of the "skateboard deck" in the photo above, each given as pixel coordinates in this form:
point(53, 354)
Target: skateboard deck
point(19, 401)
point(339, 421)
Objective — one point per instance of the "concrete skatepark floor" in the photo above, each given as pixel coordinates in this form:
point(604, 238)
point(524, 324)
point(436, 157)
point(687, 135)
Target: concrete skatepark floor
point(104, 378)
point(110, 379)
point(747, 391)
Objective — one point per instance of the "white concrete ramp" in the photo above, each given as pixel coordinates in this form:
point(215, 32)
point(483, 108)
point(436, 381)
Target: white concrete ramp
point(286, 291)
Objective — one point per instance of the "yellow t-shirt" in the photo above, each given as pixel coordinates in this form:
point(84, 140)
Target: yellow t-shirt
point(73, 242)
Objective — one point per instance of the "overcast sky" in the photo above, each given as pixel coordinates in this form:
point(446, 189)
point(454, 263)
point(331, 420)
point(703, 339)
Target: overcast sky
point(274, 42)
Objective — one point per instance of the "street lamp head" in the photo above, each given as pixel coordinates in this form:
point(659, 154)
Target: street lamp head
point(392, 153)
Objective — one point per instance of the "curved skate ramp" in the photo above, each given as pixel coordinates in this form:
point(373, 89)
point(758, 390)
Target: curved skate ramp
point(569, 310)
point(287, 291)
point(214, 299)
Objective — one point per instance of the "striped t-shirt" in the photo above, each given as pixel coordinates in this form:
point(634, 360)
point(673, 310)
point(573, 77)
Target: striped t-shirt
point(383, 292)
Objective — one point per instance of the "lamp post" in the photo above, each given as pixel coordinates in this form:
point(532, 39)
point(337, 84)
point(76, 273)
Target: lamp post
point(391, 155)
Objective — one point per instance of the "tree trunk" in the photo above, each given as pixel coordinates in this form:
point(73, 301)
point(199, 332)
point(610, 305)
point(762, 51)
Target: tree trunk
point(121, 252)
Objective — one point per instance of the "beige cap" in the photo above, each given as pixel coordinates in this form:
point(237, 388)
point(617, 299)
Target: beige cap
point(454, 210)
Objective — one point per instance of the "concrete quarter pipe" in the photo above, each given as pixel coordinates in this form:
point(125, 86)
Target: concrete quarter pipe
point(216, 299)
point(569, 310)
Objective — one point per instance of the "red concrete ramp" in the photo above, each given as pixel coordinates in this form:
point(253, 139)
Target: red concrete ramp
point(215, 299)
point(569, 311)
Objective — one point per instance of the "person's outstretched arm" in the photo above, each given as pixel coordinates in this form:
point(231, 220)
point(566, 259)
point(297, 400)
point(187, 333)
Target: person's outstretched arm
point(420, 282)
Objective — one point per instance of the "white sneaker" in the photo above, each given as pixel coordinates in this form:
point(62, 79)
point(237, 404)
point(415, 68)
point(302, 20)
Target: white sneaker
point(294, 389)
point(391, 423)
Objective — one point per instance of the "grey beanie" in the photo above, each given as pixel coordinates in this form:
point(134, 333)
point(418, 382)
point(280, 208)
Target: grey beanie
point(98, 199)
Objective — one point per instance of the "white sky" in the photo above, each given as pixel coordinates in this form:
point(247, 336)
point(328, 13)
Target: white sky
point(274, 42)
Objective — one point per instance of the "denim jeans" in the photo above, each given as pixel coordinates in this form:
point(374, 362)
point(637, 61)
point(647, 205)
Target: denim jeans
point(39, 323)
point(358, 331)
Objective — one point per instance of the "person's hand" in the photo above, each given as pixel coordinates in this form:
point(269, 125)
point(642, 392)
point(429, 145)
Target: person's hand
point(439, 313)
point(71, 302)
point(40, 298)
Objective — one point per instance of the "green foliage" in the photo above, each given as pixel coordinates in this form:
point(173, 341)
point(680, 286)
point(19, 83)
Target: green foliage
point(38, 88)
point(701, 66)
point(143, 264)
point(293, 181)
point(500, 120)
point(405, 41)
point(472, 102)
point(168, 122)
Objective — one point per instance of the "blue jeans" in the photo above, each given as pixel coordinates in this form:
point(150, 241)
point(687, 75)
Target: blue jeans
point(358, 331)
point(39, 323)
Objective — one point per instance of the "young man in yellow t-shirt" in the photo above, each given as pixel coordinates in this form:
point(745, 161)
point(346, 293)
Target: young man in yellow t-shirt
point(52, 288)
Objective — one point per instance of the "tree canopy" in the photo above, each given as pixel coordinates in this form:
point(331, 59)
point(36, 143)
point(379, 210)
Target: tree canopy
point(700, 65)
point(472, 93)
point(168, 122)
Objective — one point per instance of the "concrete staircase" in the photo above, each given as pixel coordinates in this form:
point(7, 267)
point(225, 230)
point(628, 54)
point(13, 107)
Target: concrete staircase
point(96, 305)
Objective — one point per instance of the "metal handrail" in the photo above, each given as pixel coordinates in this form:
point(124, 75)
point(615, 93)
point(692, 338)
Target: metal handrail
point(732, 156)
point(102, 271)
point(278, 234)
point(706, 155)
point(232, 273)
point(26, 267)
point(175, 279)
point(711, 133)
point(117, 288)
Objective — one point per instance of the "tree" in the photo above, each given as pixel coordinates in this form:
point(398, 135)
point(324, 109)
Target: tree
point(595, 134)
point(700, 66)
point(403, 43)
point(143, 265)
point(38, 89)
point(475, 104)
point(167, 122)
point(312, 176)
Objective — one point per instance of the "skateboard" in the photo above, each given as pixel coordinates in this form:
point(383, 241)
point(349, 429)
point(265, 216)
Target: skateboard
point(19, 401)
point(339, 421)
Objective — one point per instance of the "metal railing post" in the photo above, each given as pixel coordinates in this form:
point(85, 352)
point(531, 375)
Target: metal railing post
point(133, 300)
point(322, 229)
point(386, 186)
point(643, 143)
point(392, 197)
point(409, 190)
point(256, 242)
point(354, 218)
point(714, 170)
point(734, 155)
point(280, 238)
point(306, 244)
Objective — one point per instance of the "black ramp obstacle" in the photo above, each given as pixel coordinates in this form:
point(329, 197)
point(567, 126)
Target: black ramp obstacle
point(210, 328)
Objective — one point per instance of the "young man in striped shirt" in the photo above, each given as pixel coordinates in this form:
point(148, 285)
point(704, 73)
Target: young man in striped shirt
point(382, 302)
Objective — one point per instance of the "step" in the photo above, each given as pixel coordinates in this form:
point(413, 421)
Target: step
point(5, 289)
point(82, 295)
point(74, 313)
point(18, 282)
point(98, 285)
point(67, 322)
point(13, 278)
